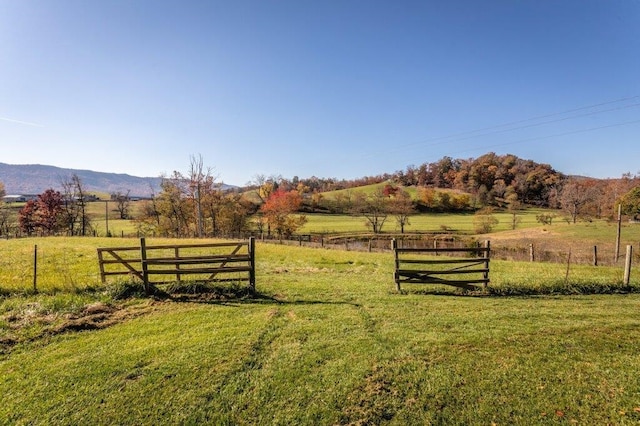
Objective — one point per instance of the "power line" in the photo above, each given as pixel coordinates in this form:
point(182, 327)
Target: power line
point(551, 136)
point(473, 133)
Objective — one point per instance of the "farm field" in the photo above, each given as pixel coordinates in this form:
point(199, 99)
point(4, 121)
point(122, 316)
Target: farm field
point(428, 222)
point(327, 340)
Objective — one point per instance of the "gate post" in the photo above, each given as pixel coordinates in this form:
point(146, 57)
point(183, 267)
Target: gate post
point(145, 267)
point(252, 263)
point(396, 277)
point(487, 246)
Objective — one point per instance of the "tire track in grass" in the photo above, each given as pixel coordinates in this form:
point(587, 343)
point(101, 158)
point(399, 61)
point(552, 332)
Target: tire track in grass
point(376, 398)
point(235, 387)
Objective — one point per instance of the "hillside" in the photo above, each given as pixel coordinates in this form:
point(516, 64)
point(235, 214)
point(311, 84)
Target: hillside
point(36, 178)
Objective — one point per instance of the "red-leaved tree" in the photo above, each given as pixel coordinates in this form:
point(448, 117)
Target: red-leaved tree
point(44, 213)
point(27, 217)
point(279, 211)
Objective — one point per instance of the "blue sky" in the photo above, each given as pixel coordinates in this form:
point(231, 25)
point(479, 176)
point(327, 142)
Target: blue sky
point(327, 88)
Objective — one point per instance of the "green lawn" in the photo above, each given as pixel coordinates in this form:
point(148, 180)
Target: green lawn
point(434, 222)
point(330, 341)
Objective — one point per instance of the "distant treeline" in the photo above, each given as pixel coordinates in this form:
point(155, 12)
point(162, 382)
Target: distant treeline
point(493, 180)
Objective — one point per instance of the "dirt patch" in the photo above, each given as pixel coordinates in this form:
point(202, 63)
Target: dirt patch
point(92, 317)
point(100, 315)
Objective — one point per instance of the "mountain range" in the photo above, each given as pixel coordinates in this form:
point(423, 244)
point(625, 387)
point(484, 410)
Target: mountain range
point(36, 178)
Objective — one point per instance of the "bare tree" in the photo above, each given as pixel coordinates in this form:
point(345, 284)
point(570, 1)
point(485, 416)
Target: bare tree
point(5, 213)
point(5, 219)
point(75, 205)
point(514, 206)
point(196, 182)
point(575, 195)
point(374, 208)
point(123, 203)
point(401, 206)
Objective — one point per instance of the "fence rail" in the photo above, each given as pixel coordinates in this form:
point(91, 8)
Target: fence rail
point(411, 266)
point(147, 261)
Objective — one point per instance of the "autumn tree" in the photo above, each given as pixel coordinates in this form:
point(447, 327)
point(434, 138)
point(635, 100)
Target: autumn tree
point(631, 203)
point(279, 209)
point(148, 219)
point(427, 197)
point(194, 204)
point(390, 190)
point(614, 190)
point(174, 210)
point(233, 214)
point(28, 217)
point(265, 186)
point(45, 213)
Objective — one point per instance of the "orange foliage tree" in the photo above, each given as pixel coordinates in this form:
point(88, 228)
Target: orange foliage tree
point(279, 209)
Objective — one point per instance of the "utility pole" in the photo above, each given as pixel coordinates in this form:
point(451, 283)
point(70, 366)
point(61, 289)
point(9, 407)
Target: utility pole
point(106, 215)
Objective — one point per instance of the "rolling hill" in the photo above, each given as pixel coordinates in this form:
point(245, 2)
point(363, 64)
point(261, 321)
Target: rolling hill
point(37, 178)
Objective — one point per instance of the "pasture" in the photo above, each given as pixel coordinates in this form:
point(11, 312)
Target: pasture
point(327, 340)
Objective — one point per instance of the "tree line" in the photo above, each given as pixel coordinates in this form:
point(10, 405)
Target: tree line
point(491, 180)
point(194, 203)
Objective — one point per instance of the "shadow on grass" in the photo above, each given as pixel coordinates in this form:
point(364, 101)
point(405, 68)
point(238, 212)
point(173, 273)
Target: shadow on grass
point(514, 291)
point(230, 295)
point(240, 293)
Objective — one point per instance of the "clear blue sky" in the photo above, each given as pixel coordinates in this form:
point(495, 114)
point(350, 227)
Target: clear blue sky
point(342, 88)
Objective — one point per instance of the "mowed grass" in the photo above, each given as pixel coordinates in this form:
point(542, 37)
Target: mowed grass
point(329, 341)
point(428, 222)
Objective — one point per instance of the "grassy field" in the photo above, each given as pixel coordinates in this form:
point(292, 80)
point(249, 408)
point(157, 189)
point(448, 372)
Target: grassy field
point(327, 340)
point(435, 222)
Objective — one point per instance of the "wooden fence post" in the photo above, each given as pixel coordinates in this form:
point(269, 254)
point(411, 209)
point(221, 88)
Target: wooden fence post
point(627, 265)
point(595, 255)
point(35, 268)
point(566, 276)
point(532, 255)
point(176, 251)
point(252, 261)
point(145, 267)
point(396, 277)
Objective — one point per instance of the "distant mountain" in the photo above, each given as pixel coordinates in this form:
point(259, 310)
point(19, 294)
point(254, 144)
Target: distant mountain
point(36, 178)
